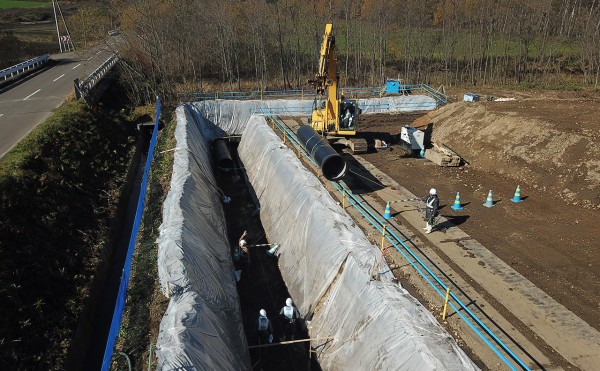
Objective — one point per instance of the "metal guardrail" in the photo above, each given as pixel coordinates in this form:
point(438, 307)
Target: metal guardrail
point(372, 91)
point(461, 309)
point(440, 97)
point(23, 67)
point(83, 88)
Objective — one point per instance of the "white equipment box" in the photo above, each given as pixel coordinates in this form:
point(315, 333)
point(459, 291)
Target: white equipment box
point(414, 137)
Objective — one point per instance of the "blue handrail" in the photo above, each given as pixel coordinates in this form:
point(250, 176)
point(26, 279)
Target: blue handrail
point(372, 91)
point(121, 299)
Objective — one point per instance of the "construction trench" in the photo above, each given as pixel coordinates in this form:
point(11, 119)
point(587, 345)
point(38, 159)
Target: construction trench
point(325, 262)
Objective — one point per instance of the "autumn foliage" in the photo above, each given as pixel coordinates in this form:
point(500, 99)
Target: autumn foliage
point(238, 44)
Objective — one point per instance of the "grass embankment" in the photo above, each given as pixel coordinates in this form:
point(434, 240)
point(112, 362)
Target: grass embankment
point(59, 190)
point(145, 303)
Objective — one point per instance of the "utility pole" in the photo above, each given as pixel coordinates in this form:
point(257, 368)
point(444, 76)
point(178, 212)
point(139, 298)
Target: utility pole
point(57, 31)
point(66, 39)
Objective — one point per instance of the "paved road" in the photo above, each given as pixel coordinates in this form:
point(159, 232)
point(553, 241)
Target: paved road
point(29, 103)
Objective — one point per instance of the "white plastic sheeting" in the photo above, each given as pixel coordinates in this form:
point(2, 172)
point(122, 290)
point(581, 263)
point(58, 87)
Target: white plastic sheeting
point(231, 116)
point(325, 259)
point(202, 327)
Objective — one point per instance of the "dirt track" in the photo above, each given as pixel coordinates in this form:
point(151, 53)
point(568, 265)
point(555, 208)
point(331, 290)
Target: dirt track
point(551, 237)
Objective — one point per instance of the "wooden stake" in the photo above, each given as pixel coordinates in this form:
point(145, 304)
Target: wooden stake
point(446, 304)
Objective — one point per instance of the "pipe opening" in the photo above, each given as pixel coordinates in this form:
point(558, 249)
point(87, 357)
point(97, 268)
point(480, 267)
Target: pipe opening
point(333, 167)
point(331, 163)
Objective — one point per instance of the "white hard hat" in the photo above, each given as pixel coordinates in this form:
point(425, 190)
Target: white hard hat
point(432, 191)
point(263, 312)
point(243, 243)
point(288, 302)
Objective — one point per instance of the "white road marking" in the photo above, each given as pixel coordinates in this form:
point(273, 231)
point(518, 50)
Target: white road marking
point(89, 59)
point(99, 51)
point(58, 77)
point(1, 114)
point(76, 66)
point(30, 95)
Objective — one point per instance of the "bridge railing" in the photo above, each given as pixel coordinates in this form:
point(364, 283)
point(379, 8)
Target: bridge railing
point(23, 67)
point(82, 88)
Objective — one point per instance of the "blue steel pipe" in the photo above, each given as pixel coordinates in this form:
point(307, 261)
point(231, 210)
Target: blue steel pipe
point(376, 222)
point(333, 166)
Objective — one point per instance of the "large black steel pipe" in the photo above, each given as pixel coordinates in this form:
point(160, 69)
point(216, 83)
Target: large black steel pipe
point(222, 155)
point(333, 166)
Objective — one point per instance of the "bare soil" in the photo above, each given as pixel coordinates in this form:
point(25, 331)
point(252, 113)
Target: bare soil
point(546, 143)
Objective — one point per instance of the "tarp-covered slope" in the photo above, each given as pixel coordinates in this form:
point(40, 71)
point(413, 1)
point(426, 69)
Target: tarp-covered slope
point(203, 324)
point(326, 260)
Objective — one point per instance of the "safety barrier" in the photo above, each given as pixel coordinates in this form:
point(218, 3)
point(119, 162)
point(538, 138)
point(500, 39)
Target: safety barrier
point(83, 88)
point(440, 97)
point(23, 67)
point(444, 290)
point(304, 110)
point(373, 91)
point(122, 294)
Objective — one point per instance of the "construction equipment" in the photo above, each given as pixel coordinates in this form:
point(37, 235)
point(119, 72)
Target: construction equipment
point(334, 117)
point(412, 139)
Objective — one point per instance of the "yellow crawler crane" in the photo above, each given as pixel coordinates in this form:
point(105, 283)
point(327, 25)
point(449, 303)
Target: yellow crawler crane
point(332, 116)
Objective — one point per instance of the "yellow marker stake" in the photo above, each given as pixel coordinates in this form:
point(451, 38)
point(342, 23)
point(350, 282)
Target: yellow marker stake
point(446, 304)
point(383, 237)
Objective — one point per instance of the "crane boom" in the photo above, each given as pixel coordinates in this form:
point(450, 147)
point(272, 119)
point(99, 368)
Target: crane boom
point(331, 115)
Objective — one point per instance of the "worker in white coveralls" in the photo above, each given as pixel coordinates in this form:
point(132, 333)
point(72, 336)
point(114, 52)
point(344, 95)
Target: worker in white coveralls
point(289, 313)
point(264, 328)
point(432, 203)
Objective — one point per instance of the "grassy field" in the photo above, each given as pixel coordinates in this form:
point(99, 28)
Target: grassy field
point(16, 4)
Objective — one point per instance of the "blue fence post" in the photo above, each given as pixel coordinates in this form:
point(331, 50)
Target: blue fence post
point(122, 294)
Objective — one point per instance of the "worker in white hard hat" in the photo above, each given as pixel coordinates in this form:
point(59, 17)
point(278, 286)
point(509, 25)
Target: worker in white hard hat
point(289, 313)
point(241, 256)
point(432, 203)
point(264, 328)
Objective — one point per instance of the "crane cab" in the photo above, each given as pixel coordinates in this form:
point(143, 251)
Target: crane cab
point(349, 113)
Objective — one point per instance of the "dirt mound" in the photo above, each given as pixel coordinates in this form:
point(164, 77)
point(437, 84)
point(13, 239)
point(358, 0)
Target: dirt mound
point(546, 143)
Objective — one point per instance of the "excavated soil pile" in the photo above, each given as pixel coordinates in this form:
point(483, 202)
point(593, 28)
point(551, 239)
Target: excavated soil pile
point(547, 144)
